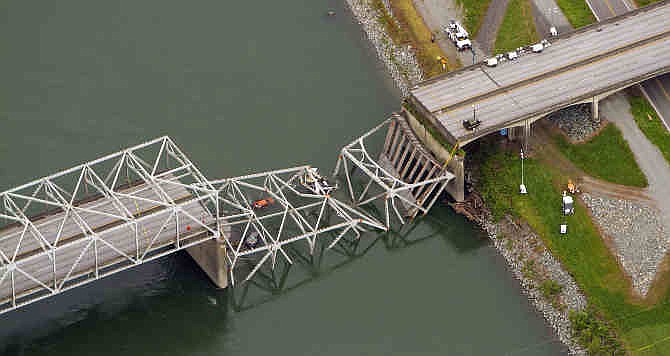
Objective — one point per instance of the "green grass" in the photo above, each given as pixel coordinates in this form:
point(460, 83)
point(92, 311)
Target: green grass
point(577, 12)
point(606, 156)
point(474, 12)
point(648, 121)
point(643, 329)
point(643, 3)
point(517, 28)
point(411, 29)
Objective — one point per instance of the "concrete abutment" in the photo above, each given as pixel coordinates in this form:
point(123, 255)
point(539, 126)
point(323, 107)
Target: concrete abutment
point(211, 257)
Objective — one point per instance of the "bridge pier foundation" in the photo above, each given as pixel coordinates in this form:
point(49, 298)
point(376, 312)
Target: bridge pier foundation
point(211, 257)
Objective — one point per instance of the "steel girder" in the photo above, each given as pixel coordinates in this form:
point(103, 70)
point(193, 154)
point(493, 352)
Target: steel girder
point(299, 213)
point(100, 217)
point(384, 185)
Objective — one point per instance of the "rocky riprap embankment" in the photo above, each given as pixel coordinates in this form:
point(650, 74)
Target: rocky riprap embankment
point(519, 245)
point(638, 235)
point(399, 60)
point(576, 121)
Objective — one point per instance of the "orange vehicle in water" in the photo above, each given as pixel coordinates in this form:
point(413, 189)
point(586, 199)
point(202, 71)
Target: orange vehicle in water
point(262, 203)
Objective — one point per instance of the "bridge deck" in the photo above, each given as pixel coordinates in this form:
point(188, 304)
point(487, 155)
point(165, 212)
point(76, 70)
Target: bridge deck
point(73, 259)
point(586, 62)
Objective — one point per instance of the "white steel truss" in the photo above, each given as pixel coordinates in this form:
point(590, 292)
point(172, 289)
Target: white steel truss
point(150, 200)
point(299, 210)
point(100, 217)
point(418, 195)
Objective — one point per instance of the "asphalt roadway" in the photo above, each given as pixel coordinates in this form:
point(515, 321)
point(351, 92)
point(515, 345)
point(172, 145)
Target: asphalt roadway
point(656, 90)
point(577, 65)
point(76, 255)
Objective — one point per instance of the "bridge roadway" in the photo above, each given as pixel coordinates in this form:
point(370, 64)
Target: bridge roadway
point(150, 222)
point(657, 89)
point(578, 67)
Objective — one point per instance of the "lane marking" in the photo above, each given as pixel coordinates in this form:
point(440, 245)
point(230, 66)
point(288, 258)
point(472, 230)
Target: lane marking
point(667, 96)
point(653, 105)
point(609, 6)
point(553, 73)
point(593, 11)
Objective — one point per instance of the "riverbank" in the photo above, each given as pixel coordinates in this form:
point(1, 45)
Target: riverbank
point(516, 243)
point(399, 60)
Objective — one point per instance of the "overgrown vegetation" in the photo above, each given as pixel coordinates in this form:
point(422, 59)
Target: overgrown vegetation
point(517, 28)
point(594, 334)
point(605, 156)
point(410, 29)
point(577, 11)
point(473, 14)
point(551, 290)
point(644, 326)
point(643, 3)
point(648, 121)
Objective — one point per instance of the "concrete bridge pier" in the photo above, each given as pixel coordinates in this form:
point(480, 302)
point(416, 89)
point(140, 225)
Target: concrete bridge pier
point(595, 112)
point(211, 257)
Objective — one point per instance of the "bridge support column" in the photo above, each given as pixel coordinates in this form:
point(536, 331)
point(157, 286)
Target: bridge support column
point(456, 187)
point(594, 109)
point(211, 257)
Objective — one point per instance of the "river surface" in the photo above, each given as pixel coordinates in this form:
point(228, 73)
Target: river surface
point(241, 86)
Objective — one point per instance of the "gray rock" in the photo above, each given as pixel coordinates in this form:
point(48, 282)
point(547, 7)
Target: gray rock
point(640, 239)
point(576, 121)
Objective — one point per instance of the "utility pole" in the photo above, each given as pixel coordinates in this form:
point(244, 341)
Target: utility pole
point(522, 187)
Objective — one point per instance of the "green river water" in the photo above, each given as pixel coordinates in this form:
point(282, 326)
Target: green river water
point(241, 86)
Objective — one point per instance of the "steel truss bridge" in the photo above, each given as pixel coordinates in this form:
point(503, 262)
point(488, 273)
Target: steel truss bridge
point(147, 201)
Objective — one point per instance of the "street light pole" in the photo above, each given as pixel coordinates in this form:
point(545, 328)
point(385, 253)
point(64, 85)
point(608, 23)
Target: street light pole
point(522, 187)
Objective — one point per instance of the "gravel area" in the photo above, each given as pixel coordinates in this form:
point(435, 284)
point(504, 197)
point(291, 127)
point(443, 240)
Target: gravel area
point(518, 245)
point(399, 61)
point(576, 121)
point(640, 240)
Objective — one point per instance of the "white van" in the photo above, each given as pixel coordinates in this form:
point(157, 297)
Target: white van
point(463, 44)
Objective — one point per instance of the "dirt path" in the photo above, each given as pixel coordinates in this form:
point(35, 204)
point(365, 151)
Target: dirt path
point(548, 152)
point(486, 37)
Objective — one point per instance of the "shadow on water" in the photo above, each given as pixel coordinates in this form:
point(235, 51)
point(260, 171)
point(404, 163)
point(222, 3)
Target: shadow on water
point(170, 289)
point(157, 293)
point(268, 284)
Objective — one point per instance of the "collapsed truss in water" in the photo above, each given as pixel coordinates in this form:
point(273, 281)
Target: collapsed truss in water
point(404, 172)
point(263, 213)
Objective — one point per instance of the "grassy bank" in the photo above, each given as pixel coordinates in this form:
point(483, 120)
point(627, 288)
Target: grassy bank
point(473, 14)
point(410, 29)
point(577, 11)
point(606, 156)
point(648, 121)
point(642, 3)
point(644, 327)
point(517, 28)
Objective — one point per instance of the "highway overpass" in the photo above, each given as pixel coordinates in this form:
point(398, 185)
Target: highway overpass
point(579, 67)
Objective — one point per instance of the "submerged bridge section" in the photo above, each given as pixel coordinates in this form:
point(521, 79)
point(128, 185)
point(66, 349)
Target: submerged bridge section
point(583, 66)
point(150, 200)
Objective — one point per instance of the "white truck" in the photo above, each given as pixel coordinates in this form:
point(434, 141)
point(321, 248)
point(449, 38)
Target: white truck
point(458, 35)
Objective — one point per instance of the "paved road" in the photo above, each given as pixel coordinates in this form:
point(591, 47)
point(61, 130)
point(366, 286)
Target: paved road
point(546, 14)
point(76, 255)
point(656, 90)
point(488, 32)
point(650, 159)
point(438, 13)
point(576, 66)
point(604, 9)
